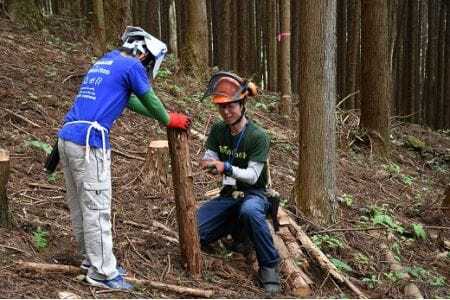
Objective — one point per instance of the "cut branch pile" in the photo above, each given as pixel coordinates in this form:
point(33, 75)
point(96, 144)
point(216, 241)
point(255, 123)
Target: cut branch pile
point(290, 240)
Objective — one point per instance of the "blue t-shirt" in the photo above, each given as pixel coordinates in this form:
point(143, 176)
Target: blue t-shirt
point(103, 96)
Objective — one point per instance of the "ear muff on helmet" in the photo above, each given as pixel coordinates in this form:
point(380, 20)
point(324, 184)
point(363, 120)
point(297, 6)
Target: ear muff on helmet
point(137, 39)
point(228, 87)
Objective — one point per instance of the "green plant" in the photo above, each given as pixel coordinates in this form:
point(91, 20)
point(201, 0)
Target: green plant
point(392, 168)
point(394, 276)
point(40, 238)
point(408, 180)
point(419, 232)
point(395, 248)
point(346, 199)
point(371, 281)
point(163, 73)
point(39, 145)
point(341, 265)
point(327, 241)
point(53, 177)
point(437, 281)
point(380, 217)
point(361, 259)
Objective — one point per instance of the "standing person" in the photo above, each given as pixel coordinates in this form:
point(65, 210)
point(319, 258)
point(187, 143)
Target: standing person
point(84, 147)
point(237, 149)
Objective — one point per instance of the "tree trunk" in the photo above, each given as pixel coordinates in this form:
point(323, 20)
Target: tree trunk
point(173, 42)
point(185, 201)
point(375, 82)
point(316, 170)
point(446, 202)
point(341, 62)
point(271, 13)
point(155, 176)
point(25, 12)
point(152, 19)
point(295, 37)
point(4, 175)
point(194, 52)
point(284, 59)
point(353, 54)
point(99, 28)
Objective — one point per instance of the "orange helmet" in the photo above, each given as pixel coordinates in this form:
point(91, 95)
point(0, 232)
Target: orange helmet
point(226, 87)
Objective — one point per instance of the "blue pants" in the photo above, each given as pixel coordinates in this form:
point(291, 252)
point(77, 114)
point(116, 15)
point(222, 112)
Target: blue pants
point(224, 215)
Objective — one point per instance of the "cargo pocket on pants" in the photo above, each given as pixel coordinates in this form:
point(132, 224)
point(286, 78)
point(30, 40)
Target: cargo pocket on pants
point(96, 195)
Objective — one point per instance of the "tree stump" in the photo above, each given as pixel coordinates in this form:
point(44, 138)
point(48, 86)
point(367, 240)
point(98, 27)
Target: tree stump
point(156, 166)
point(184, 199)
point(4, 175)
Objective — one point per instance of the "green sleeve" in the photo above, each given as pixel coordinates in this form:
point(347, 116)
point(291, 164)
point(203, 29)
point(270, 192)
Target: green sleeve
point(260, 147)
point(150, 106)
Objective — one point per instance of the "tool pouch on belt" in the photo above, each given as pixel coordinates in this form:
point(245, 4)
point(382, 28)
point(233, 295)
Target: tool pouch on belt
point(274, 199)
point(52, 159)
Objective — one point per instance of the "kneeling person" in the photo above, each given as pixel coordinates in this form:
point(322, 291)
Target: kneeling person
point(237, 149)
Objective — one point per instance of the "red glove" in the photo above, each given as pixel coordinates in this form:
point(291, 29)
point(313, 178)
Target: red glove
point(177, 120)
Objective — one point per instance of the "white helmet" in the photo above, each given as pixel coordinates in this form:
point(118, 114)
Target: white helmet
point(137, 39)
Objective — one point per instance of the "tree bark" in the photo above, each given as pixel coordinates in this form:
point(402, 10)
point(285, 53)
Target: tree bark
point(4, 176)
point(194, 52)
point(446, 202)
point(271, 13)
point(353, 54)
point(156, 165)
point(99, 28)
point(284, 59)
point(185, 201)
point(376, 80)
point(316, 171)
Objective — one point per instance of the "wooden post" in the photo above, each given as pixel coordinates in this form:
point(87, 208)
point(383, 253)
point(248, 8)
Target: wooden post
point(184, 198)
point(4, 174)
point(156, 165)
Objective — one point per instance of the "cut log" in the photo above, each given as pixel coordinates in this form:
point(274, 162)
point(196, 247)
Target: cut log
point(54, 268)
point(321, 259)
point(297, 281)
point(4, 176)
point(156, 166)
point(184, 199)
point(294, 248)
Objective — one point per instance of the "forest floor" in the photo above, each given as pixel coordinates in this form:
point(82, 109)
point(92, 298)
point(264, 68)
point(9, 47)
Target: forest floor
point(39, 76)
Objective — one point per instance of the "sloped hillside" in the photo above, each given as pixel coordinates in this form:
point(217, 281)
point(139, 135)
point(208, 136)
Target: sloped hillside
point(395, 202)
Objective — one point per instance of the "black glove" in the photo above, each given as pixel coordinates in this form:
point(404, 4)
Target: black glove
point(52, 160)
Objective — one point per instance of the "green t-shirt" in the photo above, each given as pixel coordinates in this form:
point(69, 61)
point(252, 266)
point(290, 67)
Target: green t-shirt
point(254, 146)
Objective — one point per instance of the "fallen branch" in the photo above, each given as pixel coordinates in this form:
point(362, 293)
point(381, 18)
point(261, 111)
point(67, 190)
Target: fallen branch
point(321, 259)
point(349, 229)
point(21, 117)
point(46, 186)
point(67, 269)
point(153, 223)
point(127, 155)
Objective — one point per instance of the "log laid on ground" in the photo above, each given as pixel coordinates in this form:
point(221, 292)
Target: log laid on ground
point(321, 259)
point(297, 281)
point(54, 268)
point(184, 198)
point(155, 175)
point(293, 247)
point(4, 175)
